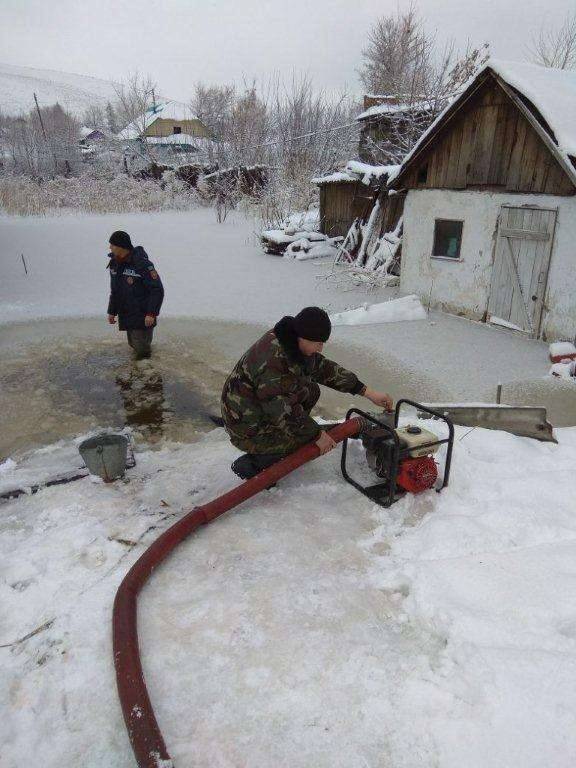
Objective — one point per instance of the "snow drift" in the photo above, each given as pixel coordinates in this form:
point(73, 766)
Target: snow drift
point(395, 311)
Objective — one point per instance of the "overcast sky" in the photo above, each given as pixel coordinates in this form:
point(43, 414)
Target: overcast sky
point(179, 42)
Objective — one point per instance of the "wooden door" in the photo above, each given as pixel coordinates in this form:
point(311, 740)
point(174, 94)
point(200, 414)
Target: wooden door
point(520, 271)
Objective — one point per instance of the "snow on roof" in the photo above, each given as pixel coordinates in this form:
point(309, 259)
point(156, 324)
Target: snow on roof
point(357, 171)
point(168, 110)
point(386, 109)
point(551, 91)
point(369, 173)
point(85, 132)
point(333, 178)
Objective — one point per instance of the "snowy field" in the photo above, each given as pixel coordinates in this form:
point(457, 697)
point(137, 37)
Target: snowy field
point(310, 628)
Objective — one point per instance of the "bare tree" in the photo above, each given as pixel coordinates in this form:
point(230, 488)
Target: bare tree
point(249, 127)
point(42, 143)
point(135, 101)
point(403, 63)
point(556, 46)
point(135, 98)
point(397, 55)
point(314, 133)
point(94, 117)
point(213, 104)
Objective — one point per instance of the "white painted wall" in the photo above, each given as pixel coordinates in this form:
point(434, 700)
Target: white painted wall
point(462, 287)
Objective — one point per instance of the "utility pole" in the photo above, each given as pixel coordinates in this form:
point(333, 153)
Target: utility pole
point(44, 134)
point(40, 118)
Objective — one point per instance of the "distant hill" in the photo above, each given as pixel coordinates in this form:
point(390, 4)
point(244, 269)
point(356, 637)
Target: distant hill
point(73, 92)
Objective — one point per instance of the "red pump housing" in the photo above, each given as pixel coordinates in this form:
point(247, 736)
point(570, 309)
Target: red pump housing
point(417, 475)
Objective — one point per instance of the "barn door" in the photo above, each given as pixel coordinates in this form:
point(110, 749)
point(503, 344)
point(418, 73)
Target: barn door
point(520, 271)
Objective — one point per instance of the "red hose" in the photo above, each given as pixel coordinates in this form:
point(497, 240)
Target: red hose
point(145, 736)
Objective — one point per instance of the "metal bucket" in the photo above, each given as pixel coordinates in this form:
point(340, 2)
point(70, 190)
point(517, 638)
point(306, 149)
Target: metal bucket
point(105, 455)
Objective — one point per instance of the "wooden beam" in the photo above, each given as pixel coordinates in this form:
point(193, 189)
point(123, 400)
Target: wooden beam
point(525, 234)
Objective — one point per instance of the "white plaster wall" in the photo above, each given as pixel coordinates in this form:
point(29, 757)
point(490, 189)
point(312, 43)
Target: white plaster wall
point(462, 287)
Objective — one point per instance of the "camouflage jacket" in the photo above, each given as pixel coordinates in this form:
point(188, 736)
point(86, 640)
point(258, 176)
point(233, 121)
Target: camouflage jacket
point(265, 398)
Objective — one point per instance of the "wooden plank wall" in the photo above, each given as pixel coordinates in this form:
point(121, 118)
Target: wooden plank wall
point(165, 127)
point(392, 209)
point(489, 144)
point(340, 204)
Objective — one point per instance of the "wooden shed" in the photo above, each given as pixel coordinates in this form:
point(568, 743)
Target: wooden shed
point(343, 198)
point(490, 210)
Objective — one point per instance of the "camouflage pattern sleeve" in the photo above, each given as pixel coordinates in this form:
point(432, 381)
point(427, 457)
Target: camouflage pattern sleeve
point(281, 395)
point(332, 375)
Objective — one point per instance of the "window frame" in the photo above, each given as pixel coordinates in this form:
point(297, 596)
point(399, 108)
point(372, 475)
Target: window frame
point(442, 257)
point(422, 174)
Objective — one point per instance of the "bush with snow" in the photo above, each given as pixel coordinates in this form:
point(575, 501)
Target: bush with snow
point(97, 193)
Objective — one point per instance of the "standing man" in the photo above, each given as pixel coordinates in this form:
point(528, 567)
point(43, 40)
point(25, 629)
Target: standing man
point(136, 292)
point(267, 399)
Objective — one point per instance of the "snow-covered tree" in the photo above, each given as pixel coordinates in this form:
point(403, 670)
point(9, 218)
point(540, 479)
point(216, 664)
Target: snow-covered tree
point(94, 117)
point(134, 98)
point(397, 55)
point(403, 63)
point(42, 143)
point(213, 104)
point(556, 46)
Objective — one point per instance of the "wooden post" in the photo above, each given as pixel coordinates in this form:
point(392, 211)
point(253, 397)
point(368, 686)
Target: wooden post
point(499, 393)
point(44, 133)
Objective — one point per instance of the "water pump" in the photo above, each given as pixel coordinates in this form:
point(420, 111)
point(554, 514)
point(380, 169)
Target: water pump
point(402, 458)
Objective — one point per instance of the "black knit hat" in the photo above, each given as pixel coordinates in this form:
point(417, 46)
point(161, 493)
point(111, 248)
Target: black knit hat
point(313, 323)
point(121, 239)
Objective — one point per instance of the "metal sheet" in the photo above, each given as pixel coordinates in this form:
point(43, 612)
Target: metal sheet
point(524, 421)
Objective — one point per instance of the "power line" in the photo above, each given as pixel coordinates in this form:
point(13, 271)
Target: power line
point(304, 135)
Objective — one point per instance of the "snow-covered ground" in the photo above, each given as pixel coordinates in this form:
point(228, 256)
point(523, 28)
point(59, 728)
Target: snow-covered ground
point(73, 92)
point(310, 627)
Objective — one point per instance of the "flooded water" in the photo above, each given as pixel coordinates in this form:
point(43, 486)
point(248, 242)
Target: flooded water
point(59, 379)
point(62, 378)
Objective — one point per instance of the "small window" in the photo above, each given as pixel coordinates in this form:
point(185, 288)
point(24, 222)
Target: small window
point(177, 129)
point(447, 238)
point(422, 177)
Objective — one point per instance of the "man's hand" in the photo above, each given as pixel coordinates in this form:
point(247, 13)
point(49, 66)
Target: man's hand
point(111, 319)
point(325, 443)
point(380, 398)
point(149, 321)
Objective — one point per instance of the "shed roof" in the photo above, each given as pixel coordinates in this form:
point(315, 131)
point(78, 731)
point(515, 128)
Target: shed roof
point(339, 177)
point(547, 97)
point(356, 171)
point(388, 109)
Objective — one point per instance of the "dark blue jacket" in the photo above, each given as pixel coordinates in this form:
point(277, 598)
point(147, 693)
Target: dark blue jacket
point(135, 290)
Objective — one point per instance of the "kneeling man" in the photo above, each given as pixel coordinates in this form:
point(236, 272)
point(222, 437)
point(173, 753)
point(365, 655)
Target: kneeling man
point(267, 399)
